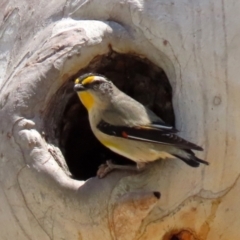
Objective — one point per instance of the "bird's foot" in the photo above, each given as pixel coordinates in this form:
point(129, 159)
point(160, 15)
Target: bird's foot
point(141, 166)
point(108, 167)
point(104, 169)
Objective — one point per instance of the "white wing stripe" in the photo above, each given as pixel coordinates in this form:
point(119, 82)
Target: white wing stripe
point(161, 126)
point(147, 140)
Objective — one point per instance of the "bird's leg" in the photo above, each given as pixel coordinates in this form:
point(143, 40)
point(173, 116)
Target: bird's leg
point(141, 166)
point(104, 169)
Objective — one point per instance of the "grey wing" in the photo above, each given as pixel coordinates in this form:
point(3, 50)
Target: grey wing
point(128, 112)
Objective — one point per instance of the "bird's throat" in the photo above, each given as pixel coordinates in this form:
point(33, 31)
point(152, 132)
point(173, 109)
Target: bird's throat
point(86, 99)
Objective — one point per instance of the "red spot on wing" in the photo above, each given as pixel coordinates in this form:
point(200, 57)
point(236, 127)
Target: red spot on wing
point(124, 134)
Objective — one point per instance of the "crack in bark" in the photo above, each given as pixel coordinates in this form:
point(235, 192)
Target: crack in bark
point(194, 197)
point(18, 174)
point(26, 204)
point(15, 217)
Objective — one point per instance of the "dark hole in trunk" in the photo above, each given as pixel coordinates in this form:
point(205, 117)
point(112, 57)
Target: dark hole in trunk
point(137, 77)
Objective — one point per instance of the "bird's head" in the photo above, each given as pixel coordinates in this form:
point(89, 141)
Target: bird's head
point(93, 89)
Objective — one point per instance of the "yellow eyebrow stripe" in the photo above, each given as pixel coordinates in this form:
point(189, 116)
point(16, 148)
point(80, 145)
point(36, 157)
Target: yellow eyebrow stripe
point(88, 80)
point(77, 81)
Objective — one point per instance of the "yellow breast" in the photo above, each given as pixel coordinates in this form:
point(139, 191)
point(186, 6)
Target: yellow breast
point(86, 99)
point(110, 145)
point(115, 148)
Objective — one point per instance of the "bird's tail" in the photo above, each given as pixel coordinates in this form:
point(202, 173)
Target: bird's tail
point(190, 158)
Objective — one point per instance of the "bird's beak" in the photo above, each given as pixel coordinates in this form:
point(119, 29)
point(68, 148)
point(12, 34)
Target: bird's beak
point(79, 87)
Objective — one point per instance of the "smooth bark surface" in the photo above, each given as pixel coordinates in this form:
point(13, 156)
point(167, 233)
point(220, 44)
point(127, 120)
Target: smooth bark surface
point(44, 43)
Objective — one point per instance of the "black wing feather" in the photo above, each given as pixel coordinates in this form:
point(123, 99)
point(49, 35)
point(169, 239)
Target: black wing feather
point(147, 134)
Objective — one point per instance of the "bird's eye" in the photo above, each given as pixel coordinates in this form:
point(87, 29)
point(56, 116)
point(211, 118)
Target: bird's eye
point(97, 82)
point(92, 84)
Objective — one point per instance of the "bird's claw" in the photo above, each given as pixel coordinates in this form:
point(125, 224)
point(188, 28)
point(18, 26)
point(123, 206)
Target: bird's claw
point(104, 169)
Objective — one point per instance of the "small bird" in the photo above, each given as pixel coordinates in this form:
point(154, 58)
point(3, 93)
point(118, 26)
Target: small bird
point(128, 128)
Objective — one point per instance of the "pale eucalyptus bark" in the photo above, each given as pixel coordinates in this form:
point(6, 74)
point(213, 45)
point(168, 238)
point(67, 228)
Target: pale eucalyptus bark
point(44, 43)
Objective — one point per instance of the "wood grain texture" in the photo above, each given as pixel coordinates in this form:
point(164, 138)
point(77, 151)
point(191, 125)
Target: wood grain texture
point(45, 43)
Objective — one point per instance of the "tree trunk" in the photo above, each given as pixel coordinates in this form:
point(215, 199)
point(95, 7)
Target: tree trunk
point(45, 44)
